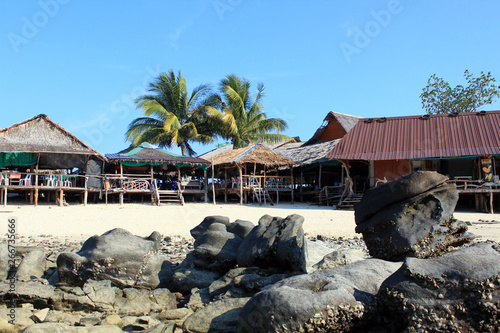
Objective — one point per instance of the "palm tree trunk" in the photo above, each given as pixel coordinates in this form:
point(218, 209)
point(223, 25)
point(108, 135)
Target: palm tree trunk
point(183, 149)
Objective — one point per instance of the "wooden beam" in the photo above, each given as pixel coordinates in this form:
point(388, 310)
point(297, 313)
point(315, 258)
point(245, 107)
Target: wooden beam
point(205, 183)
point(319, 177)
point(293, 185)
point(491, 202)
point(5, 197)
point(213, 184)
point(61, 196)
point(225, 184)
point(241, 183)
point(301, 185)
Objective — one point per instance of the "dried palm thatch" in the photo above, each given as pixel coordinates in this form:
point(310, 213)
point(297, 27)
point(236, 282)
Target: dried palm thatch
point(40, 135)
point(257, 154)
point(308, 154)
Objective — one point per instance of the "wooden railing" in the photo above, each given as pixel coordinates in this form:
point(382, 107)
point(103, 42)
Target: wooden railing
point(42, 179)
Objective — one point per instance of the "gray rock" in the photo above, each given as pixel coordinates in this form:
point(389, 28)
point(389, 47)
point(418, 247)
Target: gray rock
point(316, 251)
point(161, 328)
point(220, 316)
point(104, 329)
point(333, 300)
point(421, 226)
point(23, 316)
point(203, 226)
point(241, 228)
point(140, 302)
point(339, 258)
point(456, 292)
point(117, 255)
point(185, 279)
point(54, 328)
point(243, 282)
point(34, 292)
point(63, 317)
point(404, 187)
point(275, 242)
point(4, 261)
point(32, 265)
point(216, 249)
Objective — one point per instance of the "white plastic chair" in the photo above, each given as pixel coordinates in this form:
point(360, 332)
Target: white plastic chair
point(26, 181)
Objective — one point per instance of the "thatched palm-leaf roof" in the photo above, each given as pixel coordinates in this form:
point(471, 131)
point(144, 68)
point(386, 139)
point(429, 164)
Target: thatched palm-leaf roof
point(311, 154)
point(41, 135)
point(258, 154)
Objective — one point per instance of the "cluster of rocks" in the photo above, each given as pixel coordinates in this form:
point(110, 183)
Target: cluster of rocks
point(121, 282)
point(423, 275)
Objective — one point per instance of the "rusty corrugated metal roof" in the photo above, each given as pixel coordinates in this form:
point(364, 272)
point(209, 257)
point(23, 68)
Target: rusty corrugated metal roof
point(415, 137)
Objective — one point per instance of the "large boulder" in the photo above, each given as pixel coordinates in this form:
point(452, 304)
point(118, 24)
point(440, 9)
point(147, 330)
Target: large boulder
point(275, 242)
point(457, 292)
point(117, 255)
point(4, 261)
point(410, 216)
point(333, 300)
point(216, 248)
point(205, 224)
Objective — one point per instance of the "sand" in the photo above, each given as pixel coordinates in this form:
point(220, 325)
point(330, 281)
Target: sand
point(80, 222)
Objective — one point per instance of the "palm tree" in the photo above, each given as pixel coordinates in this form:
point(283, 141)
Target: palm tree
point(172, 116)
point(241, 114)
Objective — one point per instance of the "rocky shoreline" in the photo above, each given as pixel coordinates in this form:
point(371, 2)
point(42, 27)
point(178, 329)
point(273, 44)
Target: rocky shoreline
point(416, 268)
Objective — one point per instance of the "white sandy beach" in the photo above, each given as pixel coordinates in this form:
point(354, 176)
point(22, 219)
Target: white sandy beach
point(80, 222)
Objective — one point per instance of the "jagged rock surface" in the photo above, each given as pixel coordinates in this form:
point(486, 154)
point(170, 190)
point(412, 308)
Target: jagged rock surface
point(333, 300)
point(411, 216)
point(457, 292)
point(117, 255)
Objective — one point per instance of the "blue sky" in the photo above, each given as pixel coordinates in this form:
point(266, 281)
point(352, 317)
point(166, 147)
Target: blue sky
point(83, 63)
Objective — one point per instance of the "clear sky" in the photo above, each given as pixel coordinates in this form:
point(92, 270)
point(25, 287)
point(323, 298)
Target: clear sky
point(83, 63)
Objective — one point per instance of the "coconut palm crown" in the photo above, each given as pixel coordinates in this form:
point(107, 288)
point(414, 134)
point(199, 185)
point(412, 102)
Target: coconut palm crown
point(172, 116)
point(242, 115)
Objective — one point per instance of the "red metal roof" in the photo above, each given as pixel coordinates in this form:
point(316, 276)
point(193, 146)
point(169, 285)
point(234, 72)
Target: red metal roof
point(414, 137)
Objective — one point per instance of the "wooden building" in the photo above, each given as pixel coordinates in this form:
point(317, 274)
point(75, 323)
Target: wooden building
point(148, 170)
point(319, 178)
point(39, 157)
point(463, 146)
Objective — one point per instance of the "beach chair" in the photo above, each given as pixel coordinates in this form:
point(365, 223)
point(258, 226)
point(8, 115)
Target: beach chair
point(4, 179)
point(26, 181)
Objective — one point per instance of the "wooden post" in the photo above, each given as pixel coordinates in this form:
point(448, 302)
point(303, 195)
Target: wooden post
point(319, 177)
point(292, 181)
point(5, 197)
point(86, 193)
point(36, 196)
point(61, 196)
point(205, 182)
point(225, 184)
point(491, 201)
point(301, 185)
point(213, 184)
point(241, 183)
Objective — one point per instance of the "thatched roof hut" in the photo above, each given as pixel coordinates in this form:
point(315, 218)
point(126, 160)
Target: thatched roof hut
point(258, 154)
point(41, 139)
point(147, 154)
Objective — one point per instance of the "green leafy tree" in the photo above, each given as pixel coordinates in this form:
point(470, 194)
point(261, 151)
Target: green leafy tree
point(439, 97)
point(173, 117)
point(241, 117)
